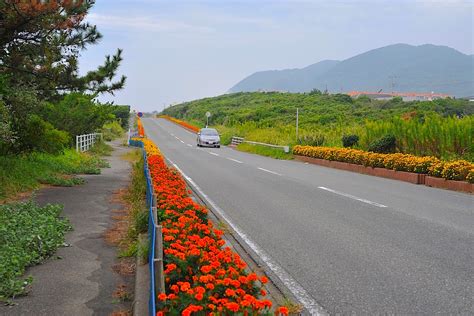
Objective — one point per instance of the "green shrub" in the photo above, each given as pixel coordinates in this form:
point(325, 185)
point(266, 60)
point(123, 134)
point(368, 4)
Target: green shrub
point(28, 235)
point(349, 140)
point(112, 130)
point(39, 135)
point(385, 145)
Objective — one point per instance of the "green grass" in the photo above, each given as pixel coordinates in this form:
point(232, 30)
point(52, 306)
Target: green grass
point(265, 151)
point(28, 235)
point(61, 181)
point(135, 198)
point(101, 149)
point(24, 173)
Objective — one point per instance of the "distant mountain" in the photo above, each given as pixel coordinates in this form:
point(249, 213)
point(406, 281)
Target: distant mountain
point(398, 67)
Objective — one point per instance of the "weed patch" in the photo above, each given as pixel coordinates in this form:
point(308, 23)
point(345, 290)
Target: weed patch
point(28, 234)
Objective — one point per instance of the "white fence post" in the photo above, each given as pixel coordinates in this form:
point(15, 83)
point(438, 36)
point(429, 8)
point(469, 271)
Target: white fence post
point(86, 141)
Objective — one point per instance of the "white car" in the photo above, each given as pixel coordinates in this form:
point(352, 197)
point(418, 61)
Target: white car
point(208, 137)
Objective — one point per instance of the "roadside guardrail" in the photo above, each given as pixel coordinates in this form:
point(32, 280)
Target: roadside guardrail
point(236, 140)
point(86, 141)
point(239, 140)
point(155, 237)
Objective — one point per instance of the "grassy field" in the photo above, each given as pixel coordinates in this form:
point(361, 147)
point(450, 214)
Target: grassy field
point(443, 128)
point(264, 151)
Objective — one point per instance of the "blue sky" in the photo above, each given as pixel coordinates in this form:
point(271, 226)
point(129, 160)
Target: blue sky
point(176, 51)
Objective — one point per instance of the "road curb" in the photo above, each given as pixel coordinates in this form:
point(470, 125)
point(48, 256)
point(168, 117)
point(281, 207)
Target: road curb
point(142, 284)
point(410, 177)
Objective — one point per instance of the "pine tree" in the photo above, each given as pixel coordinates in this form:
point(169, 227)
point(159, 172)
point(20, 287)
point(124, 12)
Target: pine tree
point(40, 42)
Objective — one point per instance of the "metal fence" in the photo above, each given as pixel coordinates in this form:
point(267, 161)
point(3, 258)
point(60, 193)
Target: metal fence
point(155, 237)
point(239, 140)
point(85, 142)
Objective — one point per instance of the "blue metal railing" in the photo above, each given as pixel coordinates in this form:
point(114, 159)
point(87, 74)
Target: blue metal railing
point(151, 228)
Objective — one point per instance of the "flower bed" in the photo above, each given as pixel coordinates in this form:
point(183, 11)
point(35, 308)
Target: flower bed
point(182, 123)
point(201, 275)
point(459, 170)
point(141, 131)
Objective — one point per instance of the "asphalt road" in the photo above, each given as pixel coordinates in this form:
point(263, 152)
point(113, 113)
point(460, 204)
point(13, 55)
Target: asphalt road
point(355, 243)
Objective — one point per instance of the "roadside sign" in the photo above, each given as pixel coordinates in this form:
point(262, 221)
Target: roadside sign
point(140, 114)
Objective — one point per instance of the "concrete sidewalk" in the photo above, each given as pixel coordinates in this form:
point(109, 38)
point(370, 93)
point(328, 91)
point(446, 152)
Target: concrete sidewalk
point(82, 282)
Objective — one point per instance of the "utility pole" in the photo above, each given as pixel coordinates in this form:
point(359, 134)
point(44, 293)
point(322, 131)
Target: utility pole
point(297, 118)
point(392, 81)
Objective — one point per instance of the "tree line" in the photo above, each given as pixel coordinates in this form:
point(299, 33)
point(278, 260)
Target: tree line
point(44, 101)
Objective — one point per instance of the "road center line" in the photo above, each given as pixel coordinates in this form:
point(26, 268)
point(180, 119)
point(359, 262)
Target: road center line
point(352, 197)
point(298, 291)
point(181, 141)
point(235, 160)
point(190, 145)
point(269, 171)
point(210, 152)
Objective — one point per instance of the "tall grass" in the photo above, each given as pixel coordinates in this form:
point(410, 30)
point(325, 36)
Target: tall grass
point(435, 135)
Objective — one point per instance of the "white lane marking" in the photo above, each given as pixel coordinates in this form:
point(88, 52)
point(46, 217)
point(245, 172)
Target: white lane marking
point(181, 141)
point(352, 197)
point(235, 160)
point(296, 289)
point(190, 145)
point(171, 134)
point(269, 171)
point(210, 152)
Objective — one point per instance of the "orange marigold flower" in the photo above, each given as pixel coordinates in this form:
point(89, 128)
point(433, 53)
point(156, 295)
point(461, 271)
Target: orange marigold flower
point(199, 296)
point(200, 289)
point(210, 286)
point(185, 286)
point(211, 306)
point(162, 296)
point(174, 288)
point(264, 279)
point(282, 310)
point(206, 269)
point(229, 292)
point(233, 307)
point(168, 238)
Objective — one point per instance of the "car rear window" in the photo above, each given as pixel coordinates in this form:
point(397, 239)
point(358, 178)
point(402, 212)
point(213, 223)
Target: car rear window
point(209, 132)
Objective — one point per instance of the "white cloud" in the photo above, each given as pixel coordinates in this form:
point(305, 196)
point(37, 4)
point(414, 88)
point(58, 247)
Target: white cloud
point(145, 23)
